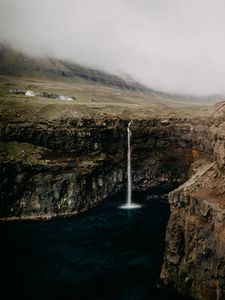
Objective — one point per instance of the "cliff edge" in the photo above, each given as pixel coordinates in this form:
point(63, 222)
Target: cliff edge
point(195, 238)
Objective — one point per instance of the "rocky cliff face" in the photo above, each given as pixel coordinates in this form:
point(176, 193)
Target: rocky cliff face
point(59, 169)
point(64, 167)
point(195, 238)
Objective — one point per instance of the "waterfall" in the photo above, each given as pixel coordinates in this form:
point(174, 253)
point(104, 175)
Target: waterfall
point(129, 203)
point(129, 174)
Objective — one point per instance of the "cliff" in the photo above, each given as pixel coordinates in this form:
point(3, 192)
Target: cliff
point(63, 165)
point(195, 238)
point(62, 168)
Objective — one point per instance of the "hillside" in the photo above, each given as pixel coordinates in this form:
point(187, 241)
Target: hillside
point(19, 65)
point(15, 63)
point(60, 158)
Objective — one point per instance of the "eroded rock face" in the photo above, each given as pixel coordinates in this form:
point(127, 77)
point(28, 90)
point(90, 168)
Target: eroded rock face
point(81, 162)
point(77, 150)
point(72, 165)
point(45, 193)
point(195, 238)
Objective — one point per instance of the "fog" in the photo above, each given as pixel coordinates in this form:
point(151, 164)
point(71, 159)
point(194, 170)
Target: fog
point(175, 46)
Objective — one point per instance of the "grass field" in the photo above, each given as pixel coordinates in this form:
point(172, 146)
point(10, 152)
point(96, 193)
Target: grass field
point(93, 100)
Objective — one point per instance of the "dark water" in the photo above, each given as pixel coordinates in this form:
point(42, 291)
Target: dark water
point(107, 253)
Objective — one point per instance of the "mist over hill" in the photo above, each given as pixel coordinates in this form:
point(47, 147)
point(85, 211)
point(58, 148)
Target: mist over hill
point(173, 46)
point(16, 63)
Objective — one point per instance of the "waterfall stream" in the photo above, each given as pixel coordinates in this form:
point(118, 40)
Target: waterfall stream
point(129, 203)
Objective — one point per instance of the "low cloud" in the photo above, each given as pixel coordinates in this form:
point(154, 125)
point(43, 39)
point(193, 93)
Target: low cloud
point(175, 46)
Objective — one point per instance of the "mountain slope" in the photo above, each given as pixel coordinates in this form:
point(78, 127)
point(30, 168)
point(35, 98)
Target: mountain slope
point(15, 63)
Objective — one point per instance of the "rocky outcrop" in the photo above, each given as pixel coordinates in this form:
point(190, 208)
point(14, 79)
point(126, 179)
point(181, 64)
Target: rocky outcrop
point(195, 238)
point(51, 189)
point(63, 168)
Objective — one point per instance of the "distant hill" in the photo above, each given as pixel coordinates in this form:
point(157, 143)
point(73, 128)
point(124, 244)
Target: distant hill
point(15, 63)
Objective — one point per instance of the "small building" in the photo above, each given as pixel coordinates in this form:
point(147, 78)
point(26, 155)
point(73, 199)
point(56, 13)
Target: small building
point(30, 94)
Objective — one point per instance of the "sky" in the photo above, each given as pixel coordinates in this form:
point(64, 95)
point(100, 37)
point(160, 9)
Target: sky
point(176, 46)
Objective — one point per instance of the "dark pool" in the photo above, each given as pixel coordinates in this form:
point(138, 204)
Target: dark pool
point(107, 253)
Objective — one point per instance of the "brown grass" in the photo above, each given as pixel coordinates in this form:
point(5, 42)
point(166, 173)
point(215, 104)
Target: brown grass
point(93, 100)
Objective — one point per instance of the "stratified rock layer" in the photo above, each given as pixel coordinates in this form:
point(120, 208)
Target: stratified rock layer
point(64, 167)
point(194, 260)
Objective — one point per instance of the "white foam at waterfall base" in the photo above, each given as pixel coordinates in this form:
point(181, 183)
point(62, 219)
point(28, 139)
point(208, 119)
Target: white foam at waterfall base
point(129, 204)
